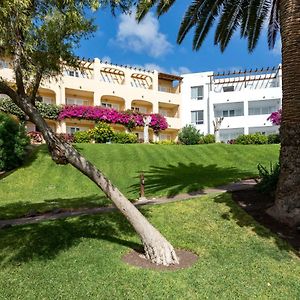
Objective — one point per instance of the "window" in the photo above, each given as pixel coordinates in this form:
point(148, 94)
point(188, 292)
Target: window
point(107, 105)
point(73, 73)
point(47, 100)
point(139, 109)
point(266, 110)
point(197, 117)
point(197, 92)
point(228, 88)
point(228, 113)
point(74, 128)
point(164, 112)
point(75, 101)
point(3, 64)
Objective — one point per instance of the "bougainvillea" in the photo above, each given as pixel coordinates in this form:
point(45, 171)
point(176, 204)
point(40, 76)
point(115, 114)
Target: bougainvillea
point(275, 117)
point(128, 119)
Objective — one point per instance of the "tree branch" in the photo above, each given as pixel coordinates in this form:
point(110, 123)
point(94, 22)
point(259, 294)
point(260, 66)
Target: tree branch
point(7, 90)
point(36, 84)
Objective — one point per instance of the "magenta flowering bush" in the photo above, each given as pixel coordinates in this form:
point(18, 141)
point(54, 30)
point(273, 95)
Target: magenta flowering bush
point(128, 119)
point(275, 117)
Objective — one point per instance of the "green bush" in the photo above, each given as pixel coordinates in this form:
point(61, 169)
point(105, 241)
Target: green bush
point(252, 139)
point(269, 178)
point(102, 133)
point(125, 138)
point(166, 142)
point(13, 142)
point(189, 135)
point(274, 138)
point(82, 136)
point(48, 111)
point(207, 139)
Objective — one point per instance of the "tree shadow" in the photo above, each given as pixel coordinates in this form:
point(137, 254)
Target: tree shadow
point(22, 209)
point(45, 240)
point(188, 178)
point(243, 219)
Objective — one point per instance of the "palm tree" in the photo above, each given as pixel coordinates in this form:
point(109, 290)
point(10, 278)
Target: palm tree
point(249, 17)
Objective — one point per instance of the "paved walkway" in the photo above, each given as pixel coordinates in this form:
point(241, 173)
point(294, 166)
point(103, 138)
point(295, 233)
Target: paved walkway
point(237, 186)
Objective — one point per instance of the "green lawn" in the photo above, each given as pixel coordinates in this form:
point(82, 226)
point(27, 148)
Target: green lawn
point(42, 185)
point(80, 258)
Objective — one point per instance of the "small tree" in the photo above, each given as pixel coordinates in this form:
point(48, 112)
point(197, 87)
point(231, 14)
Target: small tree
point(189, 135)
point(39, 37)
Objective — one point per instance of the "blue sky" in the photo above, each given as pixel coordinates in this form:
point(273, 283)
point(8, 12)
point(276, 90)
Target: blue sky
point(152, 45)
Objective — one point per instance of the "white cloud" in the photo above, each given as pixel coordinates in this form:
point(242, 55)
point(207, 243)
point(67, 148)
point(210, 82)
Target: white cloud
point(156, 67)
point(181, 70)
point(144, 37)
point(176, 71)
point(277, 48)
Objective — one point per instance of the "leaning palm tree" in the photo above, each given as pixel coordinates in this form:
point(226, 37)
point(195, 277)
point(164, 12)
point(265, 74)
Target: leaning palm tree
point(249, 16)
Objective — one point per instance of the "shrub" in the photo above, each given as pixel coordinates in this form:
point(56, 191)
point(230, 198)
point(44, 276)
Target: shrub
point(102, 133)
point(269, 178)
point(189, 135)
point(207, 139)
point(125, 138)
point(36, 137)
point(13, 142)
point(255, 139)
point(232, 141)
point(66, 137)
point(166, 142)
point(82, 136)
point(274, 138)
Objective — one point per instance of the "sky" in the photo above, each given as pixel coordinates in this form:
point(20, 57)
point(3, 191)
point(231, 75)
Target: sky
point(151, 44)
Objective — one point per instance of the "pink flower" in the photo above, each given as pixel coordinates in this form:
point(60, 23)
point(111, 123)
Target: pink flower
point(129, 119)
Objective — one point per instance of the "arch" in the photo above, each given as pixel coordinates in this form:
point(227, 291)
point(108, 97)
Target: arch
point(142, 106)
point(112, 101)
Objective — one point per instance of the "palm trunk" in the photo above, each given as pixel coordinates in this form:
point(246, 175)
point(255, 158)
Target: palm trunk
point(157, 248)
point(287, 203)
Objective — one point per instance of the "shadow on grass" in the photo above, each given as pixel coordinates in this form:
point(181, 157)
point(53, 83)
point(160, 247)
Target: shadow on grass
point(21, 208)
point(243, 219)
point(188, 178)
point(43, 241)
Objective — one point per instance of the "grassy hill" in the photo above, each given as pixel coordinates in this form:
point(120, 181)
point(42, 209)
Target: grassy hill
point(169, 170)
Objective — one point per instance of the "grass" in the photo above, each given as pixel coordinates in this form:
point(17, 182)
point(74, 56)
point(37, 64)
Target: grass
point(80, 258)
point(42, 185)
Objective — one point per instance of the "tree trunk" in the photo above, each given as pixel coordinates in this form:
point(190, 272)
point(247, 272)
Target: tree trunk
point(287, 203)
point(157, 248)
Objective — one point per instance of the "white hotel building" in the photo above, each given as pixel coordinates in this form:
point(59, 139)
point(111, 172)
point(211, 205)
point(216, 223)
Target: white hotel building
point(244, 98)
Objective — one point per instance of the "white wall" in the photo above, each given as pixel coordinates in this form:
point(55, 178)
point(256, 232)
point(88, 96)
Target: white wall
point(265, 92)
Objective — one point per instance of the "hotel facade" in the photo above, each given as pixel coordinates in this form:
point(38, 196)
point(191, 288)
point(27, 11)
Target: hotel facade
point(244, 98)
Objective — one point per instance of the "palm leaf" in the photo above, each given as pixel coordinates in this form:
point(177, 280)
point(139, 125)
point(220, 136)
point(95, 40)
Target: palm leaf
point(201, 14)
point(143, 7)
point(258, 14)
point(164, 6)
point(231, 16)
point(273, 24)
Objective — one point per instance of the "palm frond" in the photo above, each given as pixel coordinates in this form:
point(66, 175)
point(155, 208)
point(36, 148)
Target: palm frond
point(164, 6)
point(273, 27)
point(200, 14)
point(231, 16)
point(143, 7)
point(258, 14)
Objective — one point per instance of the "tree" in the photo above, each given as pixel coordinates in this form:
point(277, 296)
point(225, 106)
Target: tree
point(249, 16)
point(38, 37)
